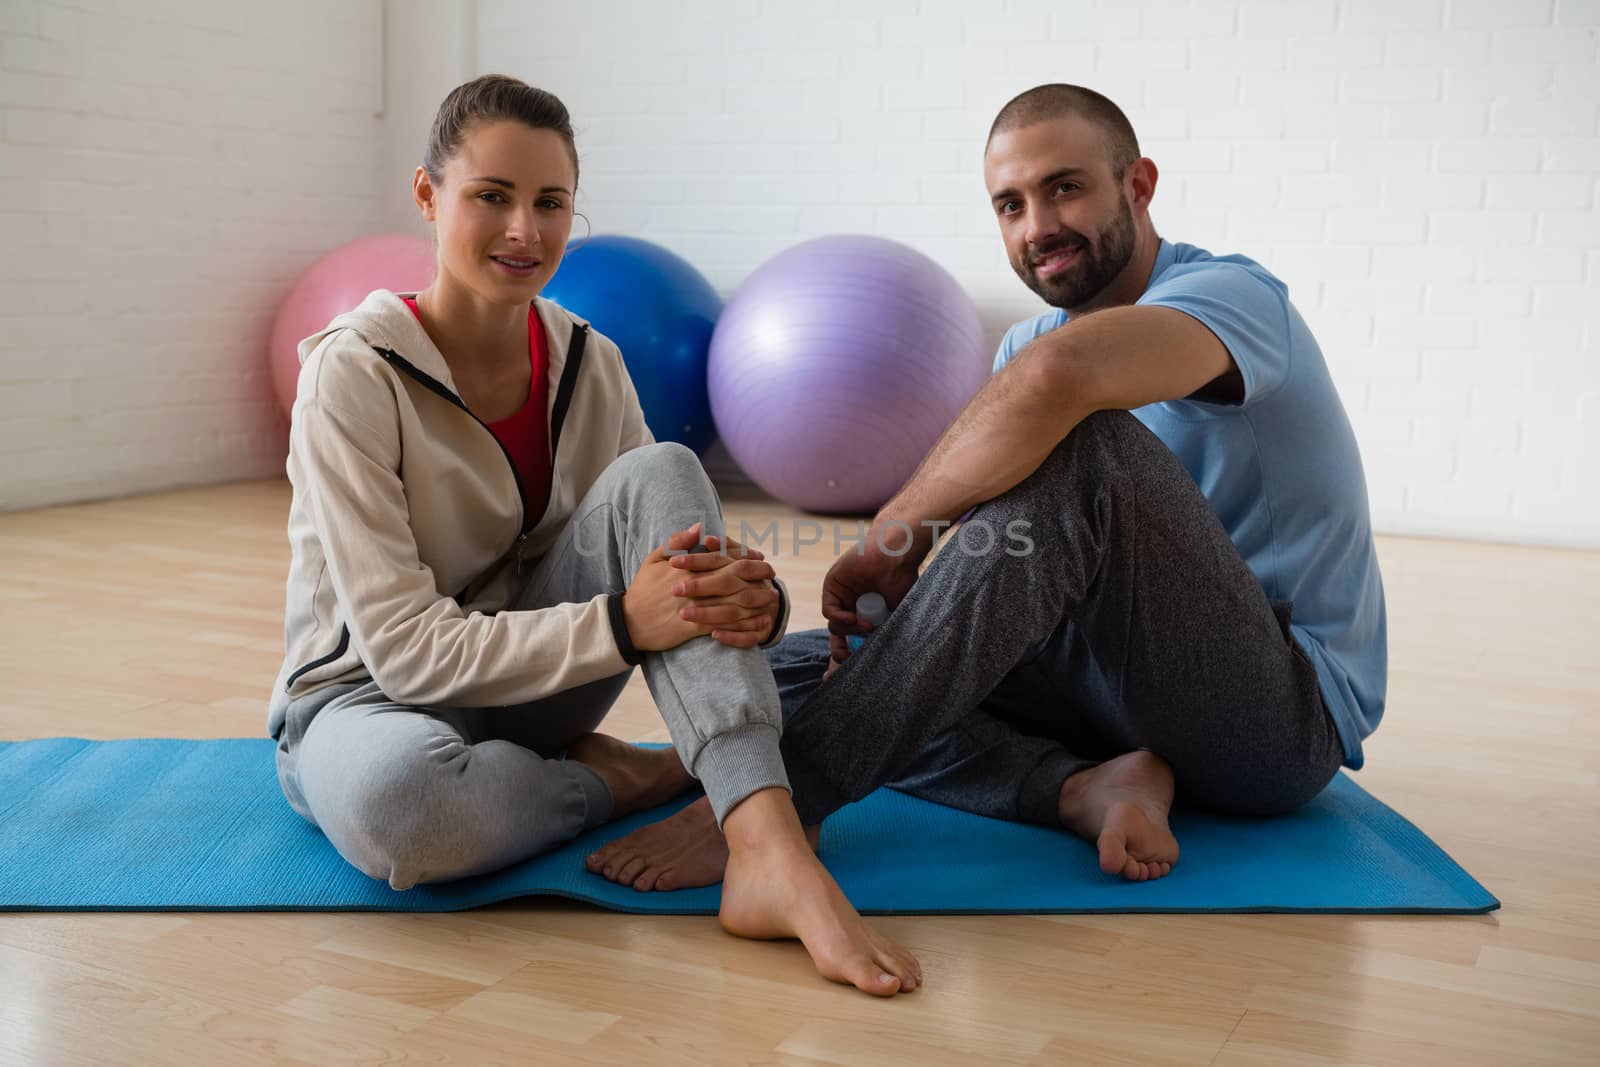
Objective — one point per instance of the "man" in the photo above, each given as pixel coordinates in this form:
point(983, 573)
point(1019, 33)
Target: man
point(1171, 441)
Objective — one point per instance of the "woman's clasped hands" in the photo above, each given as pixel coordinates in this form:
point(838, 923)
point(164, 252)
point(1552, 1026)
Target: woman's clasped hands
point(722, 590)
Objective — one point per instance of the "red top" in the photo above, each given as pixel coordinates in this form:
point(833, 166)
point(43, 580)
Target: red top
point(525, 433)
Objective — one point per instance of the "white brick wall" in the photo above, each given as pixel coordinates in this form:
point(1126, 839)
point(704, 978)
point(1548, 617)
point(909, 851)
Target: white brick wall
point(1423, 173)
point(166, 169)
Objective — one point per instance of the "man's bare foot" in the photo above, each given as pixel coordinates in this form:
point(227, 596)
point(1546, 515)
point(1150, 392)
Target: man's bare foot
point(1122, 807)
point(776, 888)
point(683, 851)
point(639, 778)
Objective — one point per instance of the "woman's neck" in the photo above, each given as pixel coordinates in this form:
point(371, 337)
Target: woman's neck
point(476, 337)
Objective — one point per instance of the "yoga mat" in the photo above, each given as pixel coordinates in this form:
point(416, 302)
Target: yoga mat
point(178, 825)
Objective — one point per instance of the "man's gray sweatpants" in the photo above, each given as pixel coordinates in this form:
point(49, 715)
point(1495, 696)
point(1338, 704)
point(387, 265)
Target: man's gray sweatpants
point(413, 795)
point(1133, 623)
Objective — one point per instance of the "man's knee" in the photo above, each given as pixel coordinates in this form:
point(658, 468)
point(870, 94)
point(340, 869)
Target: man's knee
point(1096, 453)
point(1110, 457)
point(1115, 444)
point(1110, 424)
point(799, 648)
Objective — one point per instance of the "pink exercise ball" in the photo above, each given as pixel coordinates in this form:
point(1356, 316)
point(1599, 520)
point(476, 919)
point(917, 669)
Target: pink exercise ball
point(336, 283)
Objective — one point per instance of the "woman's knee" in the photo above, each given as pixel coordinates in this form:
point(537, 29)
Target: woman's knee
point(664, 459)
point(385, 817)
point(653, 479)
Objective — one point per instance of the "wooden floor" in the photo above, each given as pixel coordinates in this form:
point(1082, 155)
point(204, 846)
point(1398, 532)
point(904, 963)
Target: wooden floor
point(162, 616)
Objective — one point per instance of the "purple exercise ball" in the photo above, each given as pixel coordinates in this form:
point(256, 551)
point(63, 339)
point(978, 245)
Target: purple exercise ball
point(836, 366)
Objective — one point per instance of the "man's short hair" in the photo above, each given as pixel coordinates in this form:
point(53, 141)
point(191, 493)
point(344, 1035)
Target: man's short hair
point(1045, 102)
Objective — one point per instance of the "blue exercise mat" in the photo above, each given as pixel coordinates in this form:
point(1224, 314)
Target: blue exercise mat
point(175, 825)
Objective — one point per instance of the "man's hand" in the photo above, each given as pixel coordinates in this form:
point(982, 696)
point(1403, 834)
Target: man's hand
point(868, 569)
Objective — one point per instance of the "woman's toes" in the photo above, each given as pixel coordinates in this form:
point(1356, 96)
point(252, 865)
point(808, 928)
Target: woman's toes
point(882, 984)
point(894, 960)
point(867, 974)
point(902, 973)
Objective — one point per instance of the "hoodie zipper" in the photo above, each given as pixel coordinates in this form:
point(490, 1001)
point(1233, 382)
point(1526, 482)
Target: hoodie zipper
point(557, 416)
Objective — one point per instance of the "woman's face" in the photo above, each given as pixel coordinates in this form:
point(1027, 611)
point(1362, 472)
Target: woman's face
point(504, 210)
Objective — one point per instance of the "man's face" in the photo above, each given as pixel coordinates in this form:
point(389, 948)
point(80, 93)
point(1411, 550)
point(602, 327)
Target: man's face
point(1066, 223)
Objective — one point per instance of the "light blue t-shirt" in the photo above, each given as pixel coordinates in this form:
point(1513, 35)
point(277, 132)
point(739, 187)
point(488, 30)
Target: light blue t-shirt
point(1281, 470)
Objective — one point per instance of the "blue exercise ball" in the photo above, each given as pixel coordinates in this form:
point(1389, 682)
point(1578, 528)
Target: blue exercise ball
point(660, 311)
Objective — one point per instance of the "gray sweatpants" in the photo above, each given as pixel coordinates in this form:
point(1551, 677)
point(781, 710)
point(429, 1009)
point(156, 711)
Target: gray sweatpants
point(413, 795)
point(1132, 624)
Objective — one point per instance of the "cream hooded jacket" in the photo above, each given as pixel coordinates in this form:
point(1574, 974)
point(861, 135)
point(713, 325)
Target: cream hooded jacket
point(407, 532)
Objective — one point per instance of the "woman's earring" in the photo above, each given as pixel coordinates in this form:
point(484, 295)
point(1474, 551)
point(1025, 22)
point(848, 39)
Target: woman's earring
point(573, 246)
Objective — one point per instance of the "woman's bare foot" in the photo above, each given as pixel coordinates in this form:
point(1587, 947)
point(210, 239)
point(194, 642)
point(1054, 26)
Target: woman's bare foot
point(639, 778)
point(776, 888)
point(1122, 807)
point(683, 851)
point(680, 852)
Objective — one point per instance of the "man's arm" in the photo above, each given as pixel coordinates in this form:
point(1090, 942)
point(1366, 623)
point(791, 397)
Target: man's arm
point(1116, 359)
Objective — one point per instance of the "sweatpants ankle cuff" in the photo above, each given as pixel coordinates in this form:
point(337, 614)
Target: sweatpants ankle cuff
point(733, 765)
point(596, 795)
point(1039, 799)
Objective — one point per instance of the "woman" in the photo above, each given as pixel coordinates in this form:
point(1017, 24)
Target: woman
point(486, 541)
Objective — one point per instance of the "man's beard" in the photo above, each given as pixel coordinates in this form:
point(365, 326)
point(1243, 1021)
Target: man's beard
point(1098, 263)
